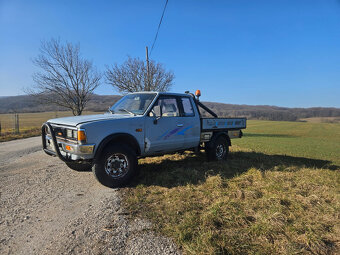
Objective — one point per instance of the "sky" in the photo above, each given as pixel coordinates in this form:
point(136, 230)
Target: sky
point(282, 52)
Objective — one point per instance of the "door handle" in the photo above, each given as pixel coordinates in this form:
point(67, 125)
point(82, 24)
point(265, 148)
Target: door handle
point(179, 125)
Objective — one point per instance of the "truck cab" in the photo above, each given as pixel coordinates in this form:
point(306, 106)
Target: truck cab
point(139, 125)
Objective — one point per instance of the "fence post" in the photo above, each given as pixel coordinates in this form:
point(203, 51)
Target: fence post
point(16, 123)
point(0, 128)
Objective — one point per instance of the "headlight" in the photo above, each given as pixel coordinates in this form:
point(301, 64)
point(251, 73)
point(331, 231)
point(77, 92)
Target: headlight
point(69, 133)
point(72, 134)
point(75, 134)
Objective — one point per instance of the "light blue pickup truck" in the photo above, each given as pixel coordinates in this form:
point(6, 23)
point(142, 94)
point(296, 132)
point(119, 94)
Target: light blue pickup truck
point(139, 125)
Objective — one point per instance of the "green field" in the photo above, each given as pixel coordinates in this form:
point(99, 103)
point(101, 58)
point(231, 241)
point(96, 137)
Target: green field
point(298, 139)
point(278, 193)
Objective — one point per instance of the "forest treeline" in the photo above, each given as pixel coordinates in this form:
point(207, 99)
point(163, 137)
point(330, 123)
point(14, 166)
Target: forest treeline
point(101, 103)
point(265, 112)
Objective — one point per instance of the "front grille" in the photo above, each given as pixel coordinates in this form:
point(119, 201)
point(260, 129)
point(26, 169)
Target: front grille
point(61, 133)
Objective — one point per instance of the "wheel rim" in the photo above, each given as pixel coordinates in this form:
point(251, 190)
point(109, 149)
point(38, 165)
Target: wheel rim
point(117, 165)
point(220, 151)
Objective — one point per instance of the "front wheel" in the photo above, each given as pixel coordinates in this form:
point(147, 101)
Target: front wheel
point(116, 166)
point(218, 150)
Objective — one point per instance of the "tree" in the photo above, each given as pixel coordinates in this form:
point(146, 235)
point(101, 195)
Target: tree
point(132, 76)
point(66, 79)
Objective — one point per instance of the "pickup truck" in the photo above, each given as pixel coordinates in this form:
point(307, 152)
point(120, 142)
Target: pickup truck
point(139, 125)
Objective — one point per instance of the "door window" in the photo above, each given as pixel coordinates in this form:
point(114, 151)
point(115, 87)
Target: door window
point(165, 107)
point(188, 111)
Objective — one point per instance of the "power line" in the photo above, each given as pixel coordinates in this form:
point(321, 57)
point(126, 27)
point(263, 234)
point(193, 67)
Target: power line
point(159, 25)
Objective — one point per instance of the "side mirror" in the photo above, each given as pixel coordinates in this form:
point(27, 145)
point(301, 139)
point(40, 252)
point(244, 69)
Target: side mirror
point(154, 115)
point(155, 119)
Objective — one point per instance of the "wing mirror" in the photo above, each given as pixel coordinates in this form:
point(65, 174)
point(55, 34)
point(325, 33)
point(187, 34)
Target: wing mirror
point(155, 117)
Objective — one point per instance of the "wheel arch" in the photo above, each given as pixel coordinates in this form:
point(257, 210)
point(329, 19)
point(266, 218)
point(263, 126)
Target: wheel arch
point(217, 135)
point(123, 138)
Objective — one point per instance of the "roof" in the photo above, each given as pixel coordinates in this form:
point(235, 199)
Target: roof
point(162, 93)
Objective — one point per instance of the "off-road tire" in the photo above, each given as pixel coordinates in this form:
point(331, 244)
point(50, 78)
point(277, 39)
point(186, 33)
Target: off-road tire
point(80, 167)
point(100, 166)
point(218, 149)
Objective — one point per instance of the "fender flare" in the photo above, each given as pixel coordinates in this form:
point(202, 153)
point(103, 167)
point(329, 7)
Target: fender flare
point(216, 136)
point(110, 138)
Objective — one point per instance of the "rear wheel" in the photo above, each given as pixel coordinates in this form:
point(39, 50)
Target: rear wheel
point(218, 149)
point(116, 166)
point(80, 167)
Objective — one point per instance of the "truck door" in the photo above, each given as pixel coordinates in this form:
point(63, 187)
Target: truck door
point(162, 127)
point(191, 130)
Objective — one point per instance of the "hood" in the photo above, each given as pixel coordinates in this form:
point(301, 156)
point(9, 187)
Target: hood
point(76, 120)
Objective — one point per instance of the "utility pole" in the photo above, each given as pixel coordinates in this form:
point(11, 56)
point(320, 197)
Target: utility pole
point(147, 70)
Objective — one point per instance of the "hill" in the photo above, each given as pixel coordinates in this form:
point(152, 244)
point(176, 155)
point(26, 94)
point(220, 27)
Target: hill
point(101, 103)
point(25, 103)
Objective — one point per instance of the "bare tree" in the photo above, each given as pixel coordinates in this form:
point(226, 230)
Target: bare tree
point(66, 79)
point(132, 76)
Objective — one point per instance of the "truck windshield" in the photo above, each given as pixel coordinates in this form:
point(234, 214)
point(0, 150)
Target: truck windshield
point(133, 104)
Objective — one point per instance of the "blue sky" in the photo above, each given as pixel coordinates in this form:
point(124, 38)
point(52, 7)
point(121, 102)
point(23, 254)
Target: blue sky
point(284, 53)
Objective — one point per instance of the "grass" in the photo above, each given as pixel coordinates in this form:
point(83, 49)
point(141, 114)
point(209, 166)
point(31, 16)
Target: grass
point(24, 133)
point(278, 193)
point(29, 123)
point(302, 139)
point(322, 119)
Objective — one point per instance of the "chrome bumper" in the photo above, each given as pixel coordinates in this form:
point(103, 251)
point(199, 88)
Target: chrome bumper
point(69, 150)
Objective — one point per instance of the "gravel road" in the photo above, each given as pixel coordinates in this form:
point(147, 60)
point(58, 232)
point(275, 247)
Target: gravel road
point(47, 208)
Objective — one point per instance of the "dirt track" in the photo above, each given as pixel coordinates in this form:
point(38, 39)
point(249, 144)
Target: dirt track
point(47, 208)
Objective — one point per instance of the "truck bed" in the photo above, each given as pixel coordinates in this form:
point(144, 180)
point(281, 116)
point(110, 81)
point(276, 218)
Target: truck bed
point(209, 124)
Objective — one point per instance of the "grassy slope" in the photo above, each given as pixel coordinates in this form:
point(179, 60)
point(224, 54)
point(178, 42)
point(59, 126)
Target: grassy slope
point(259, 202)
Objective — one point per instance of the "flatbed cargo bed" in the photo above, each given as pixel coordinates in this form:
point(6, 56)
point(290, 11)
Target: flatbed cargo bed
point(210, 124)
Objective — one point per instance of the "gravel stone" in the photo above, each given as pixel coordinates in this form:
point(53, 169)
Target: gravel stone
point(47, 208)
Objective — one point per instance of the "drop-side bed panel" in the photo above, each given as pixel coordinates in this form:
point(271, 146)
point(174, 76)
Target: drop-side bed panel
point(223, 123)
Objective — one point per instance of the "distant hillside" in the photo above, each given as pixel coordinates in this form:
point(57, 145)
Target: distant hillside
point(265, 112)
point(102, 103)
point(28, 104)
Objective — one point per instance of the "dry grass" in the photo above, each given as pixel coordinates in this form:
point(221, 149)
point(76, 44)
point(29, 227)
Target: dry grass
point(322, 119)
point(244, 206)
point(278, 193)
point(29, 123)
point(24, 133)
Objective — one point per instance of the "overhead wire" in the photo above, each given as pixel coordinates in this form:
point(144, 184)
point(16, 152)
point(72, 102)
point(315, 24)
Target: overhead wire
point(159, 25)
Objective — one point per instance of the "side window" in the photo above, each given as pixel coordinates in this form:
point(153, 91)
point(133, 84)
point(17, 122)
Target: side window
point(188, 111)
point(165, 107)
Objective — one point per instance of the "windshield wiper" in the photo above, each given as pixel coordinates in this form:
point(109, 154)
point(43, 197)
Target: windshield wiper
point(122, 109)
